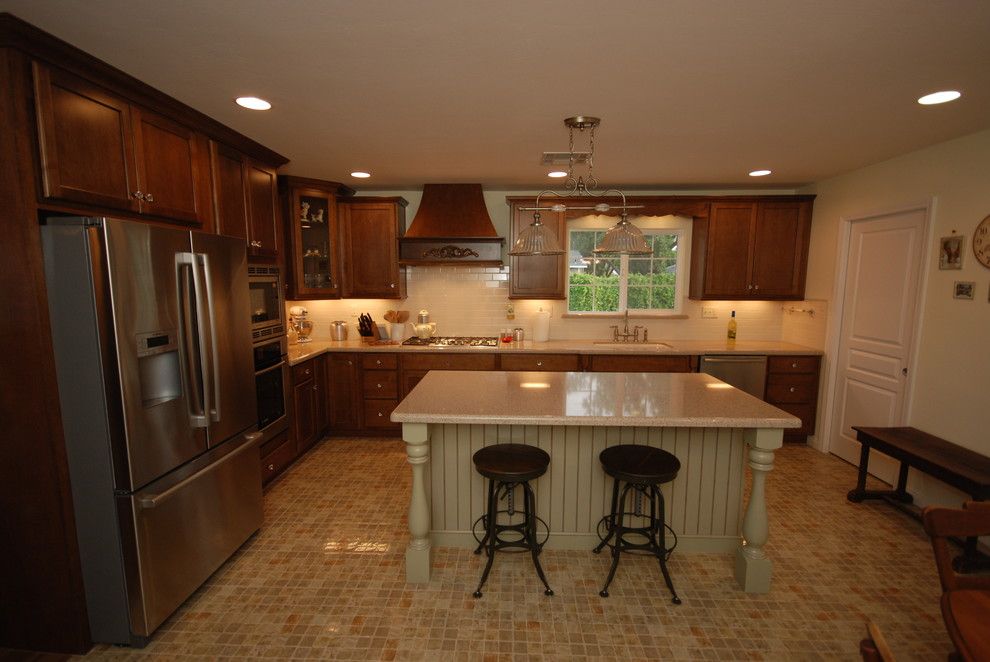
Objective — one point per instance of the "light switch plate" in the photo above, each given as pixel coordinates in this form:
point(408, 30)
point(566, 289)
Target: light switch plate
point(709, 313)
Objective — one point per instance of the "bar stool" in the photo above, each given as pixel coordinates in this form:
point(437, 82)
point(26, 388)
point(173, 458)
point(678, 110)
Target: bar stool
point(507, 466)
point(642, 469)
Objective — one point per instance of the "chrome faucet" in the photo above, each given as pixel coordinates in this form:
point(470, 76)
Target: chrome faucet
point(626, 335)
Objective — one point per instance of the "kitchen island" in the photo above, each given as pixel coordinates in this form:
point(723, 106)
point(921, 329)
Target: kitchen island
point(706, 423)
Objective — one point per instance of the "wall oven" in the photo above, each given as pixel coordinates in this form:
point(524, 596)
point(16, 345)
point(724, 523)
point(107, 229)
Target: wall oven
point(271, 379)
point(267, 305)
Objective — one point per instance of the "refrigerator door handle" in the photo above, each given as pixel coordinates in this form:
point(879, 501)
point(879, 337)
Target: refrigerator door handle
point(202, 316)
point(153, 500)
point(190, 350)
point(214, 410)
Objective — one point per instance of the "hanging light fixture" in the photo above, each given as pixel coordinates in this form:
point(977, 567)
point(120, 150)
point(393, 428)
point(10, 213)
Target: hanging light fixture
point(623, 237)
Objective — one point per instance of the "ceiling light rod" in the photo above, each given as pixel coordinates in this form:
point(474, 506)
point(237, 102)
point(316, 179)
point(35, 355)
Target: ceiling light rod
point(623, 237)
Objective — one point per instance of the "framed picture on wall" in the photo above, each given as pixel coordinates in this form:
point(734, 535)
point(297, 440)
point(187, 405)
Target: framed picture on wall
point(950, 255)
point(963, 289)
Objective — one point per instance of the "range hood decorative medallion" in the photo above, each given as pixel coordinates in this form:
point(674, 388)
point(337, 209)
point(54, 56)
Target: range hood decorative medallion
point(452, 226)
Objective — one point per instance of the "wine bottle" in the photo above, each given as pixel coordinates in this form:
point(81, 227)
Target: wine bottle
point(731, 335)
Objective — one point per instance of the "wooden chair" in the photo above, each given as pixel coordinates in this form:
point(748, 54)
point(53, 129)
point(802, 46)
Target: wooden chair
point(874, 648)
point(965, 598)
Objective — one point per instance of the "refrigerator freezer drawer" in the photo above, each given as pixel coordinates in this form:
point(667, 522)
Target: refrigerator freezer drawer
point(185, 531)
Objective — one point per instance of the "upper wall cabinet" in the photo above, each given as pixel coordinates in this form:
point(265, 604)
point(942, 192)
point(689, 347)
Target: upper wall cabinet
point(536, 276)
point(751, 249)
point(99, 149)
point(245, 198)
point(309, 207)
point(370, 228)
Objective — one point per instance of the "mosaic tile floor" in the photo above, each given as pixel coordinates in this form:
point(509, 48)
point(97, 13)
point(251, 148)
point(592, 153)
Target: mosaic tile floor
point(324, 580)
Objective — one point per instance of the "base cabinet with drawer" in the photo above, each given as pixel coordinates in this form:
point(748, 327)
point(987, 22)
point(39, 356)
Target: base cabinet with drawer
point(307, 409)
point(640, 363)
point(792, 385)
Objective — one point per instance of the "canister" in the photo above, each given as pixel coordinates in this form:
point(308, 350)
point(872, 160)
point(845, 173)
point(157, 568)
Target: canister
point(338, 330)
point(518, 334)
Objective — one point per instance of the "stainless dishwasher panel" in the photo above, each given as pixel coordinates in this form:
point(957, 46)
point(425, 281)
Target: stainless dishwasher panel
point(746, 373)
point(185, 529)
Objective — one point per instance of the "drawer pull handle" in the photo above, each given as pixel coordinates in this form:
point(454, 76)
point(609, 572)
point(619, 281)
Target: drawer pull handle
point(378, 362)
point(306, 371)
point(315, 388)
point(539, 363)
point(791, 389)
point(379, 414)
point(271, 467)
point(794, 365)
point(378, 385)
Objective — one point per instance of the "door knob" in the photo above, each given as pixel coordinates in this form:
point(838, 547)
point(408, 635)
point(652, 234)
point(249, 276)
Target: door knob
point(148, 197)
point(138, 195)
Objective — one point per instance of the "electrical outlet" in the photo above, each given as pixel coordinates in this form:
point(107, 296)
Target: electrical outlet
point(709, 313)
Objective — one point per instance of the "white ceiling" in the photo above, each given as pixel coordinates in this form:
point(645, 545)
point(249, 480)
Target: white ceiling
point(693, 93)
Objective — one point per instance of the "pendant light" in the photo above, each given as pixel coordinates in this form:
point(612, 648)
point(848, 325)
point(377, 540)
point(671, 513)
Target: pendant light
point(623, 237)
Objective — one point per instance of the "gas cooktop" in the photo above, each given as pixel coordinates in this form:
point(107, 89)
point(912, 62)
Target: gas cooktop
point(454, 341)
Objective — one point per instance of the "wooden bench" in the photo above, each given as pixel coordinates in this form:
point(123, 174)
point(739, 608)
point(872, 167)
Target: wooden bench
point(963, 469)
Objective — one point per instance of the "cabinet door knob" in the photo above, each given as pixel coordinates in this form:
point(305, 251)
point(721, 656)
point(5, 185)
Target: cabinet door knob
point(306, 371)
point(379, 414)
point(791, 389)
point(539, 363)
point(794, 365)
point(392, 285)
point(749, 287)
point(138, 195)
point(378, 362)
point(378, 385)
point(148, 197)
point(271, 467)
point(756, 287)
point(349, 362)
point(315, 388)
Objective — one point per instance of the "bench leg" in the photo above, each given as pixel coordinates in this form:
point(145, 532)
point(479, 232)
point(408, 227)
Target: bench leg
point(901, 494)
point(856, 495)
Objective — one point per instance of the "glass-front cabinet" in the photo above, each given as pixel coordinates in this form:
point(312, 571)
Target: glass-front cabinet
point(311, 221)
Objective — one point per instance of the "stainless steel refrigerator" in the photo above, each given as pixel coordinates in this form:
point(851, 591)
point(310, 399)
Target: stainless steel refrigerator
point(152, 339)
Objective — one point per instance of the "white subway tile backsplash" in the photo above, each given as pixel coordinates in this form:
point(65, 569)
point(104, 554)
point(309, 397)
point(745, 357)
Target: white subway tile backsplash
point(471, 301)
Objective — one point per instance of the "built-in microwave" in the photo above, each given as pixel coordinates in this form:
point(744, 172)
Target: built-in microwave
point(267, 305)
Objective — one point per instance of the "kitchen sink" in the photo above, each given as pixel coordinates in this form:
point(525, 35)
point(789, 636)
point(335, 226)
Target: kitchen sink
point(641, 346)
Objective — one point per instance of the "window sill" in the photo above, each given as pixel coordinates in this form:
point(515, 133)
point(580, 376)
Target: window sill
point(632, 316)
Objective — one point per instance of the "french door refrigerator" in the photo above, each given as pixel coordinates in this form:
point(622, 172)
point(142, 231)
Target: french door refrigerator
point(152, 342)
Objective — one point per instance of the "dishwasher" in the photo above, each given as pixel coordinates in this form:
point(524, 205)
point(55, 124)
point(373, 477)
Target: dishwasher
point(746, 373)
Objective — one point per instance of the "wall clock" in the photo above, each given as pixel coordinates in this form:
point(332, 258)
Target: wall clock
point(981, 242)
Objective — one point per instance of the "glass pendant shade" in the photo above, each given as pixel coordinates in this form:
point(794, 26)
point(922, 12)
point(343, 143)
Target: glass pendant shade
point(537, 239)
point(624, 237)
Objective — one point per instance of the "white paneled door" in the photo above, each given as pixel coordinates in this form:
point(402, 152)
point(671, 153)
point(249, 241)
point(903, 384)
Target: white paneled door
point(879, 305)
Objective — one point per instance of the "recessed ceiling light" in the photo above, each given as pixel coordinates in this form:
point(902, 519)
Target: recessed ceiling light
point(557, 173)
point(253, 103)
point(760, 173)
point(360, 175)
point(939, 97)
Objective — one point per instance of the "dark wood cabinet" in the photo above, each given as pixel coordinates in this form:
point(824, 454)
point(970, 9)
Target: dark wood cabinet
point(276, 454)
point(309, 207)
point(245, 199)
point(308, 399)
point(792, 385)
point(370, 228)
point(536, 362)
point(343, 392)
point(751, 249)
point(536, 276)
point(100, 149)
point(380, 391)
point(640, 363)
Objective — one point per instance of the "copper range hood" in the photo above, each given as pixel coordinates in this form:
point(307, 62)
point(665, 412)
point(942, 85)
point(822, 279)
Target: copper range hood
point(452, 226)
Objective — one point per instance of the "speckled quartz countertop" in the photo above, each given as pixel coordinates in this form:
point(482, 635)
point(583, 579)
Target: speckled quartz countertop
point(302, 352)
point(585, 398)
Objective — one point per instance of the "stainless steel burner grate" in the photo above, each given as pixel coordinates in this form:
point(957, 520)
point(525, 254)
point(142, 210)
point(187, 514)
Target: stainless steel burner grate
point(454, 341)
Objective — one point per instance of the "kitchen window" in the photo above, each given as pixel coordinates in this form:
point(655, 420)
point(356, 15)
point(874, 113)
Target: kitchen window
point(602, 284)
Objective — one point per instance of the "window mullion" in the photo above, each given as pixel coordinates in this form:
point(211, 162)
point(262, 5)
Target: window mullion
point(623, 282)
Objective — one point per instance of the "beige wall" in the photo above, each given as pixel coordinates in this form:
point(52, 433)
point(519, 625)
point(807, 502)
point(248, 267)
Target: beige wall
point(952, 371)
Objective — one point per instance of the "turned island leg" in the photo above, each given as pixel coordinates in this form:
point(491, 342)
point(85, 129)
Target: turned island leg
point(418, 553)
point(753, 568)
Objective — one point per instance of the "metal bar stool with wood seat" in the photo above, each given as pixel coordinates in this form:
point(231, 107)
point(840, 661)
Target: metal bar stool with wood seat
point(643, 469)
point(507, 466)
